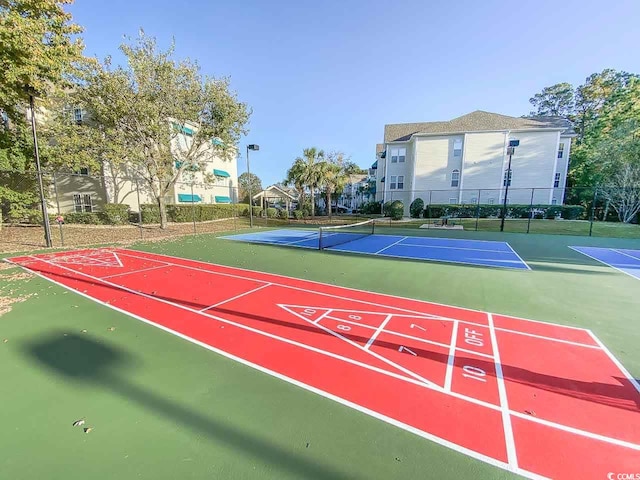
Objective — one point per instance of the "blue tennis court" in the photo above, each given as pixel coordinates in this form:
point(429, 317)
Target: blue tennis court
point(470, 252)
point(622, 259)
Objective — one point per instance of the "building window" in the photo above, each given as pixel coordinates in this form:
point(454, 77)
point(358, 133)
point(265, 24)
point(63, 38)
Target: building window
point(556, 180)
point(394, 182)
point(78, 115)
point(554, 201)
point(82, 202)
point(474, 200)
point(506, 181)
point(561, 150)
point(453, 201)
point(455, 178)
point(491, 201)
point(400, 182)
point(398, 155)
point(81, 171)
point(457, 148)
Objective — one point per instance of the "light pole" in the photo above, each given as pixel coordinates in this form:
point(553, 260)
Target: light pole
point(255, 148)
point(510, 151)
point(36, 153)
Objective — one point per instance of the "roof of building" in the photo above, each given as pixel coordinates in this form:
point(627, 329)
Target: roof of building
point(477, 121)
point(279, 191)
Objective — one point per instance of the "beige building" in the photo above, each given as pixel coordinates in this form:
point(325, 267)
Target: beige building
point(465, 160)
point(87, 191)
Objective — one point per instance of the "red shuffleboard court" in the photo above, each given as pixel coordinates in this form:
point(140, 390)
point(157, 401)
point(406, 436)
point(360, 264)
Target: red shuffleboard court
point(534, 398)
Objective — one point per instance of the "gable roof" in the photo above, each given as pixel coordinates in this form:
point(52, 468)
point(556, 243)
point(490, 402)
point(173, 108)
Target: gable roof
point(278, 190)
point(477, 121)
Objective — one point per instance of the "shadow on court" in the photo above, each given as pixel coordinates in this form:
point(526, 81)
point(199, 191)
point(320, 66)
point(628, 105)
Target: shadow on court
point(83, 359)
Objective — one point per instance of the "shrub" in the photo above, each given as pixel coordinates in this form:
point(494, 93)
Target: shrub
point(298, 215)
point(371, 208)
point(82, 218)
point(115, 214)
point(416, 208)
point(385, 209)
point(573, 212)
point(272, 212)
point(150, 213)
point(396, 210)
point(284, 214)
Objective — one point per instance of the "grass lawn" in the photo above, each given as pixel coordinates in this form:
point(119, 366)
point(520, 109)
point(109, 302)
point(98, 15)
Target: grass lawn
point(163, 408)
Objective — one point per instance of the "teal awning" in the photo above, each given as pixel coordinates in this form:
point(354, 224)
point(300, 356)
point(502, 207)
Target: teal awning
point(188, 198)
point(217, 141)
point(186, 130)
point(375, 165)
point(220, 173)
point(222, 199)
point(193, 168)
point(382, 180)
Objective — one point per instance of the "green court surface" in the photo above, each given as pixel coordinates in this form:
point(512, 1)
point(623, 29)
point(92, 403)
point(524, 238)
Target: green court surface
point(163, 408)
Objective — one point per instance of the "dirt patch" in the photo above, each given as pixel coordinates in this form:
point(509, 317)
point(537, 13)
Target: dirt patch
point(8, 296)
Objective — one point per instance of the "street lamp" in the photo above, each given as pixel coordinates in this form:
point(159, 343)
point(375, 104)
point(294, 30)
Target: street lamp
point(510, 151)
point(255, 148)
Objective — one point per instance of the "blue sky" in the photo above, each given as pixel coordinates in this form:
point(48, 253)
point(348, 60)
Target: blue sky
point(330, 74)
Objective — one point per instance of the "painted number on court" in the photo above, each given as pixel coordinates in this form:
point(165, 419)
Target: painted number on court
point(475, 373)
point(473, 337)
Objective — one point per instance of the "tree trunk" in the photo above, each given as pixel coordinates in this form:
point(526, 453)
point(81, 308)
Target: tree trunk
point(163, 212)
point(329, 204)
point(313, 203)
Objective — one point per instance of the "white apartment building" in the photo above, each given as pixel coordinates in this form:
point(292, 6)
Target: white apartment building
point(465, 160)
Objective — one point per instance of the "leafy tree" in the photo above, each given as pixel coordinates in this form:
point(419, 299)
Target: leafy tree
point(167, 117)
point(305, 173)
point(248, 183)
point(296, 178)
point(38, 47)
point(333, 175)
point(556, 100)
point(618, 158)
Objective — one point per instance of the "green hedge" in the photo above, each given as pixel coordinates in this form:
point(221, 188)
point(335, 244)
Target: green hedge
point(298, 215)
point(284, 214)
point(202, 213)
point(569, 212)
point(416, 208)
point(396, 210)
point(371, 208)
point(115, 213)
point(272, 212)
point(112, 214)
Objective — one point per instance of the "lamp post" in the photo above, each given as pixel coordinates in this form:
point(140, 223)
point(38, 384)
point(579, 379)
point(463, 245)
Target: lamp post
point(255, 148)
point(510, 151)
point(36, 153)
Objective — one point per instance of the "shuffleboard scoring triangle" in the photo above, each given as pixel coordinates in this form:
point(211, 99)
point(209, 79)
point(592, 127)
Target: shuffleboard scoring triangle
point(96, 258)
point(306, 313)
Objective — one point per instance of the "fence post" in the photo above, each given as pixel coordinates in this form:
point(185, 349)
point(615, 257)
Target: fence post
point(193, 209)
point(429, 205)
point(530, 210)
point(593, 210)
point(478, 208)
point(139, 208)
point(55, 191)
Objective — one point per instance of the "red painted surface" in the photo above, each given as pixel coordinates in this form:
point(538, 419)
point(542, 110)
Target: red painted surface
point(391, 357)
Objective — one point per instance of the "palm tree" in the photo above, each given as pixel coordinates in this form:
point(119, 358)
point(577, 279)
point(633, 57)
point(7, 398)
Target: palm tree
point(307, 173)
point(296, 177)
point(334, 174)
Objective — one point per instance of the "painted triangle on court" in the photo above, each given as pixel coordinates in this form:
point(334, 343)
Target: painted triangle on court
point(98, 259)
point(307, 313)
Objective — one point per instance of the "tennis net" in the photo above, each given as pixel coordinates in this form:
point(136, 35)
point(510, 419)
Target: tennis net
point(338, 235)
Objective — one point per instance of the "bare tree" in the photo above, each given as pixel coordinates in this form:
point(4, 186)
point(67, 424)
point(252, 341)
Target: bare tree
point(623, 191)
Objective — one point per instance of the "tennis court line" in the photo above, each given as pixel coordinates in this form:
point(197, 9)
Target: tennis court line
point(627, 255)
point(136, 271)
point(455, 248)
point(293, 342)
point(512, 456)
point(516, 254)
point(602, 261)
point(389, 246)
point(404, 310)
point(451, 359)
point(315, 282)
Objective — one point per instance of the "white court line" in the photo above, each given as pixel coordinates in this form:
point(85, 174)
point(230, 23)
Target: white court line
point(389, 246)
point(320, 317)
point(512, 456)
point(209, 264)
point(285, 340)
point(454, 248)
point(623, 370)
point(416, 313)
point(627, 255)
point(377, 332)
point(516, 254)
point(576, 431)
point(330, 396)
point(421, 316)
point(236, 297)
point(450, 360)
point(135, 271)
point(602, 261)
point(411, 337)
